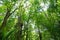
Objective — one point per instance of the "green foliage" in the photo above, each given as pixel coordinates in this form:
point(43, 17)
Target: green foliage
point(32, 20)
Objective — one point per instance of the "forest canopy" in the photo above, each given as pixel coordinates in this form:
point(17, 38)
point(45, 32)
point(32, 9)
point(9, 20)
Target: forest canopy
point(29, 19)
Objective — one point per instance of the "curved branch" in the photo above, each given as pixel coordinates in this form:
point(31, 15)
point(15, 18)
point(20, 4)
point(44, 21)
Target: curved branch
point(8, 14)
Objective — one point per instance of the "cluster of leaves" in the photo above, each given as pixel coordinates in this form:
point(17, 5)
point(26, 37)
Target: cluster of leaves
point(27, 20)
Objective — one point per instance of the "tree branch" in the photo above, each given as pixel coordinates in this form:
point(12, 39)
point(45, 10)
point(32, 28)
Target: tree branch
point(6, 17)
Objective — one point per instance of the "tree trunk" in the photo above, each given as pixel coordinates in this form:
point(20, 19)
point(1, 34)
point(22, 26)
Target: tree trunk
point(19, 28)
point(40, 34)
point(5, 21)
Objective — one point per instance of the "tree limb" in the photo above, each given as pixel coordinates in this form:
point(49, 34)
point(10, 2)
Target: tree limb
point(8, 14)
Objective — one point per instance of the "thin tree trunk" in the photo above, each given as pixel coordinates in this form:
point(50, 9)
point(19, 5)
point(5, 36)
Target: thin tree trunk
point(5, 21)
point(19, 28)
point(40, 34)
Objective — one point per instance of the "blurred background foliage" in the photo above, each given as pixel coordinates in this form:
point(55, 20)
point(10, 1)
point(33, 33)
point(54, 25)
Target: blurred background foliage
point(29, 19)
